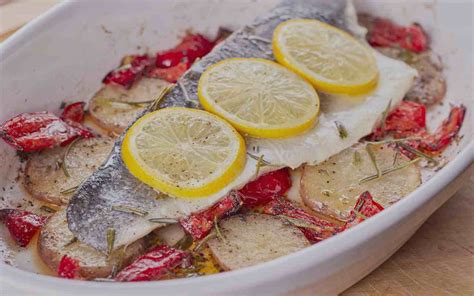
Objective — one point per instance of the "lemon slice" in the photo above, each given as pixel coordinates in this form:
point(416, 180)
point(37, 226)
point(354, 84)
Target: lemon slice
point(259, 97)
point(331, 59)
point(183, 152)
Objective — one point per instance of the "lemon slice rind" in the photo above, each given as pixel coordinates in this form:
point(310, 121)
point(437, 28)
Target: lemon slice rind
point(357, 59)
point(149, 154)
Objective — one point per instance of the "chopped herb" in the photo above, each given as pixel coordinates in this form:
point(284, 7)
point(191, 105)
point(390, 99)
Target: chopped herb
point(63, 162)
point(368, 147)
point(418, 153)
point(390, 141)
point(357, 158)
point(395, 158)
point(326, 192)
point(73, 240)
point(341, 129)
point(118, 262)
point(110, 240)
point(259, 158)
point(163, 220)
point(218, 231)
point(388, 171)
point(47, 209)
point(161, 195)
point(123, 104)
point(201, 244)
point(130, 210)
point(156, 103)
point(300, 223)
point(184, 243)
point(69, 190)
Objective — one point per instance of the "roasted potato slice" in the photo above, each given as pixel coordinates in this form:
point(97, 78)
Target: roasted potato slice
point(114, 107)
point(45, 172)
point(333, 186)
point(56, 240)
point(250, 239)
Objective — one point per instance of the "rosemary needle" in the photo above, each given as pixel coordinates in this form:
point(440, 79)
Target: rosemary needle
point(388, 171)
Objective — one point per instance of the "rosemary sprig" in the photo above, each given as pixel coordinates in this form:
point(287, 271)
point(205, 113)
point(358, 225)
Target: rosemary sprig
point(368, 147)
point(47, 209)
point(341, 129)
point(357, 158)
point(65, 155)
point(130, 210)
point(257, 158)
point(123, 104)
point(184, 243)
point(218, 230)
point(418, 153)
point(110, 240)
point(73, 240)
point(201, 243)
point(161, 95)
point(390, 141)
point(300, 223)
point(69, 190)
point(163, 220)
point(259, 165)
point(388, 171)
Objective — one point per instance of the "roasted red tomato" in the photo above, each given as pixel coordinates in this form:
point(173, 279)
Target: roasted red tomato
point(192, 46)
point(74, 112)
point(68, 268)
point(384, 33)
point(153, 264)
point(266, 187)
point(28, 132)
point(314, 228)
point(199, 224)
point(132, 67)
point(171, 74)
point(22, 225)
point(364, 208)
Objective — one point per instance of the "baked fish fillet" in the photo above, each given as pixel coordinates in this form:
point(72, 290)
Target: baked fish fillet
point(90, 212)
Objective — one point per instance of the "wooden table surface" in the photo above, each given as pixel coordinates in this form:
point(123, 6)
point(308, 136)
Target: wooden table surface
point(437, 260)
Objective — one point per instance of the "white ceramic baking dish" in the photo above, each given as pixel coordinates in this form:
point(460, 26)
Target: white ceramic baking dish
point(63, 55)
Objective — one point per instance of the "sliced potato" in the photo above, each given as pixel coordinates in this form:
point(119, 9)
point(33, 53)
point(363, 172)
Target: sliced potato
point(250, 239)
point(110, 106)
point(333, 186)
point(46, 179)
point(56, 240)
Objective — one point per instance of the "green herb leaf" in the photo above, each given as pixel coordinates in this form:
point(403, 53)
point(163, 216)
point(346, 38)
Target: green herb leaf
point(69, 190)
point(154, 106)
point(164, 220)
point(73, 240)
point(110, 240)
point(184, 243)
point(368, 147)
point(218, 231)
point(47, 209)
point(357, 158)
point(388, 171)
point(341, 130)
point(201, 243)
point(130, 210)
point(418, 153)
point(300, 223)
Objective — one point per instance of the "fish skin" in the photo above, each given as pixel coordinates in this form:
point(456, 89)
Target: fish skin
point(90, 211)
